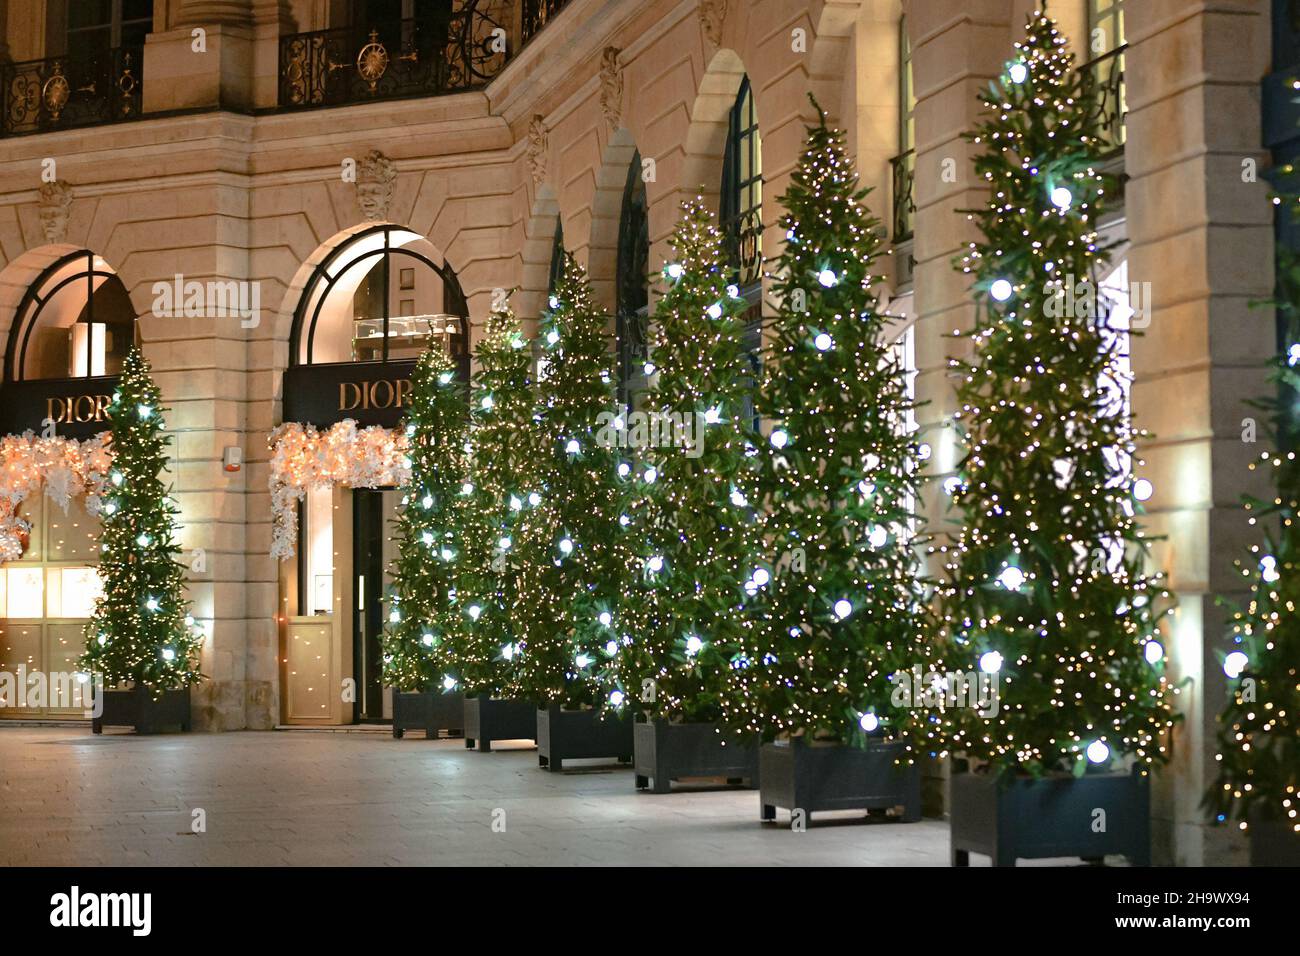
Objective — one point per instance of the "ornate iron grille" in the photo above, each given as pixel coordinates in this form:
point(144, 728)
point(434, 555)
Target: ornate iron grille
point(60, 92)
point(451, 51)
point(1106, 73)
point(536, 14)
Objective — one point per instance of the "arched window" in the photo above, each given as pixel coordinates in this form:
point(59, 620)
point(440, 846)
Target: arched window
point(633, 286)
point(742, 214)
point(75, 321)
point(1107, 44)
point(557, 257)
point(382, 296)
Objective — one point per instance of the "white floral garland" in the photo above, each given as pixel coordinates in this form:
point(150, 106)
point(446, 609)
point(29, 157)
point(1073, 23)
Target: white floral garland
point(303, 457)
point(65, 468)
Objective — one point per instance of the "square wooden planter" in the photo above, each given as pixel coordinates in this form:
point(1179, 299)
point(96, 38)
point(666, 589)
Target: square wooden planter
point(1273, 842)
point(137, 708)
point(490, 718)
point(1008, 818)
point(581, 734)
point(800, 777)
point(428, 711)
point(665, 751)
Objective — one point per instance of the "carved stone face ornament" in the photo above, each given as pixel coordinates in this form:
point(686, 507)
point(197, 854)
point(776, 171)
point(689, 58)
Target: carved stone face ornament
point(375, 176)
point(54, 205)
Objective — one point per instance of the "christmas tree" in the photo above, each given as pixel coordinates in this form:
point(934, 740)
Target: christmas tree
point(694, 529)
point(842, 603)
point(141, 631)
point(1048, 591)
point(1259, 733)
point(430, 622)
point(570, 551)
point(504, 484)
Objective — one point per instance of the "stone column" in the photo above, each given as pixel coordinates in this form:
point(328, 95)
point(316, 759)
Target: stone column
point(271, 20)
point(206, 61)
point(1202, 245)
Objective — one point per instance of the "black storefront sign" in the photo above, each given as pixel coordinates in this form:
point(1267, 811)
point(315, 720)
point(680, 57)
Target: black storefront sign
point(72, 407)
point(370, 393)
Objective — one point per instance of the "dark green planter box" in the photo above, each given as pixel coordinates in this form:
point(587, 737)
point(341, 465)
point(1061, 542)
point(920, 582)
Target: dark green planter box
point(428, 711)
point(138, 709)
point(490, 718)
point(799, 777)
point(581, 734)
point(1273, 842)
point(665, 751)
point(1008, 818)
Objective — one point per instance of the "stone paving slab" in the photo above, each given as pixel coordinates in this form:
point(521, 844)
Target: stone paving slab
point(275, 799)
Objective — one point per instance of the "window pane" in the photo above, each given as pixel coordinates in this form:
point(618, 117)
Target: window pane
point(89, 13)
point(137, 9)
point(26, 592)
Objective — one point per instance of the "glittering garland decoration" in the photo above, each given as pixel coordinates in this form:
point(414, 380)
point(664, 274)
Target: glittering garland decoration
point(64, 468)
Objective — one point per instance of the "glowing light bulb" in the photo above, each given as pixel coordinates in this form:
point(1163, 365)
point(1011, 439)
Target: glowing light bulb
point(778, 438)
point(1011, 578)
point(843, 609)
point(552, 337)
point(487, 402)
point(553, 301)
point(572, 447)
point(1268, 569)
point(515, 503)
point(117, 478)
point(444, 378)
point(151, 604)
point(991, 662)
point(693, 645)
point(1293, 355)
point(605, 618)
point(467, 488)
point(168, 654)
point(714, 311)
point(566, 546)
point(611, 648)
point(448, 682)
point(879, 536)
point(144, 411)
point(739, 500)
point(655, 564)
point(733, 290)
point(869, 722)
point(1001, 290)
point(447, 554)
point(1062, 198)
point(474, 611)
point(508, 651)
point(713, 415)
point(394, 615)
point(624, 469)
point(1235, 663)
point(1098, 752)
point(534, 499)
point(143, 541)
point(1018, 72)
point(426, 502)
point(674, 270)
point(1153, 651)
point(951, 485)
point(827, 278)
point(760, 576)
point(582, 660)
point(616, 697)
point(1143, 489)
point(823, 342)
point(651, 475)
point(427, 640)
point(648, 368)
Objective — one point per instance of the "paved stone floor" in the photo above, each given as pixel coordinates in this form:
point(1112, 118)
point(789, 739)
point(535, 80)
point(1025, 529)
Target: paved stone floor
point(69, 798)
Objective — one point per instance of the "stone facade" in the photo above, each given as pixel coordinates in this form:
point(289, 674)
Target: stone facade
point(222, 185)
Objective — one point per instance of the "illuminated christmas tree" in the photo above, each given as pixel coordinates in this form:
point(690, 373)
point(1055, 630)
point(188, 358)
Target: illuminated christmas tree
point(1048, 589)
point(141, 631)
point(1259, 727)
point(504, 482)
point(570, 541)
point(689, 456)
point(841, 596)
point(428, 627)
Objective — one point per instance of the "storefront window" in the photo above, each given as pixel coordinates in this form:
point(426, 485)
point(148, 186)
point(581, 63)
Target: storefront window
point(380, 297)
point(47, 595)
point(76, 320)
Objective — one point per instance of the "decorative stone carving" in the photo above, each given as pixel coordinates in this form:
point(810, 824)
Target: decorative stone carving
point(54, 205)
point(375, 176)
point(537, 143)
point(611, 87)
point(712, 14)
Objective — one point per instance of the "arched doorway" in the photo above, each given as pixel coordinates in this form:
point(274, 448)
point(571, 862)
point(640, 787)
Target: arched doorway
point(67, 339)
point(368, 308)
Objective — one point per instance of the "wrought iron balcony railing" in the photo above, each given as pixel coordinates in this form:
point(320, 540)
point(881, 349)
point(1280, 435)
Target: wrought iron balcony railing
point(1106, 73)
point(62, 92)
point(904, 221)
point(535, 14)
point(458, 50)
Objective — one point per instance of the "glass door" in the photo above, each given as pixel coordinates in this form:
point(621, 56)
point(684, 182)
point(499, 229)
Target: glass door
point(374, 549)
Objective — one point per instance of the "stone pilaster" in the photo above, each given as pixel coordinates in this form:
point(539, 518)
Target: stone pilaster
point(1202, 247)
point(205, 62)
